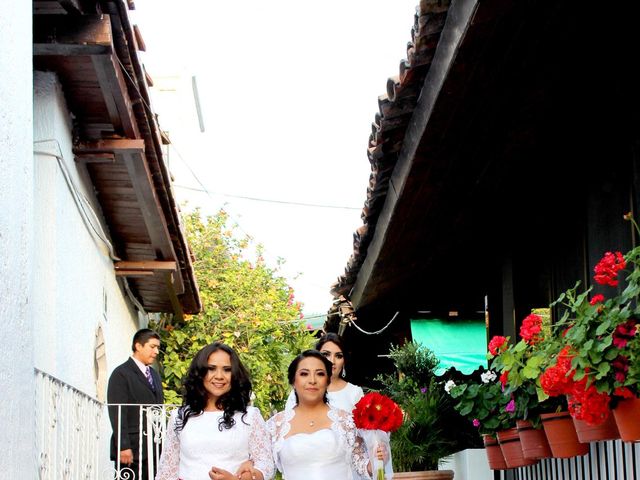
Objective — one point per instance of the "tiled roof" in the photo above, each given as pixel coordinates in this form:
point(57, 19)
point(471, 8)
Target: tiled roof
point(389, 127)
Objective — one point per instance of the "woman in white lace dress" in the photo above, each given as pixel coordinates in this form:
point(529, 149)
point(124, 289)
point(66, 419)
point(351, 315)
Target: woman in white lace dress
point(215, 434)
point(314, 440)
point(341, 393)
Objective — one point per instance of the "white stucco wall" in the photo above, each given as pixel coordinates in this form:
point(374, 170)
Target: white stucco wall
point(16, 190)
point(72, 269)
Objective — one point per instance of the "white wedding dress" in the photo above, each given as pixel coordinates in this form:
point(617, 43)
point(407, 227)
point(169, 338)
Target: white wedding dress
point(190, 453)
point(328, 454)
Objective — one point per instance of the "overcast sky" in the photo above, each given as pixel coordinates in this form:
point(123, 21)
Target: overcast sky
point(288, 91)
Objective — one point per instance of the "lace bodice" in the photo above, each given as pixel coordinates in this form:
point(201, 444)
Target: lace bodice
point(334, 453)
point(190, 453)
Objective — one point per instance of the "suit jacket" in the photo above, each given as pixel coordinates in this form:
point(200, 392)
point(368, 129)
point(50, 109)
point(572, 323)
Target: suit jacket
point(127, 384)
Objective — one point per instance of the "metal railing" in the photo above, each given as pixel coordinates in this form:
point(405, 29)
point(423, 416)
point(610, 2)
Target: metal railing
point(67, 430)
point(73, 434)
point(152, 425)
point(610, 460)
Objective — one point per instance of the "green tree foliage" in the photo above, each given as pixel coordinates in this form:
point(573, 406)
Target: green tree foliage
point(246, 304)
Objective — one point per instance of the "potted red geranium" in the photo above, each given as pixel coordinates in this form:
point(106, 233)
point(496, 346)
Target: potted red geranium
point(601, 343)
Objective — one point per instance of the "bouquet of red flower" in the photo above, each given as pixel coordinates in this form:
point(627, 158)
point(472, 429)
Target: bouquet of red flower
point(376, 415)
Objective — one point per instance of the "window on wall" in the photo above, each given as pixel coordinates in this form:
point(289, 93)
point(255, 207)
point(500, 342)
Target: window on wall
point(100, 366)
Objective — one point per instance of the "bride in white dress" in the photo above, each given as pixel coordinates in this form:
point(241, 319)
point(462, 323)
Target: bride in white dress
point(314, 440)
point(216, 434)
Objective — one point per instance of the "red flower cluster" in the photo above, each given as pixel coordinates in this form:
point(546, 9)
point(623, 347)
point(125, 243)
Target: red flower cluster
point(558, 379)
point(375, 411)
point(596, 299)
point(606, 271)
point(498, 344)
point(586, 403)
point(624, 332)
point(531, 328)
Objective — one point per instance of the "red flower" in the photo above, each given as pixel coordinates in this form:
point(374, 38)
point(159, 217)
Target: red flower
point(620, 367)
point(498, 344)
point(623, 392)
point(624, 332)
point(597, 299)
point(558, 379)
point(606, 271)
point(588, 404)
point(375, 411)
point(531, 328)
point(503, 379)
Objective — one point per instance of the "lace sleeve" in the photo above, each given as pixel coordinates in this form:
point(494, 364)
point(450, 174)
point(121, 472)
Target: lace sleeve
point(170, 458)
point(357, 450)
point(260, 445)
point(278, 426)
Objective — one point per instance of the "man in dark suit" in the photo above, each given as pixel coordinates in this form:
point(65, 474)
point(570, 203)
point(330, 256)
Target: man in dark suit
point(134, 382)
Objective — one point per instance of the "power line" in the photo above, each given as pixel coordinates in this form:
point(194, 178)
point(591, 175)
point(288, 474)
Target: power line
point(256, 199)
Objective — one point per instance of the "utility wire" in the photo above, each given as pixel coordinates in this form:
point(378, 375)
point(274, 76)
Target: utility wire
point(89, 216)
point(282, 202)
point(193, 173)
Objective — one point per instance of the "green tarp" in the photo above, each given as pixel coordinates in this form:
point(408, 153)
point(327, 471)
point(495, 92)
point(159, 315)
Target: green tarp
point(457, 343)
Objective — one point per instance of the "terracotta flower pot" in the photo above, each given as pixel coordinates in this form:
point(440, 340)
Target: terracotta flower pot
point(562, 436)
point(627, 417)
point(426, 475)
point(607, 430)
point(509, 441)
point(533, 440)
point(494, 453)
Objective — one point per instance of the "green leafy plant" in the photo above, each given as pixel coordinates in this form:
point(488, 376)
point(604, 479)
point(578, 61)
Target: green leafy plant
point(424, 438)
point(521, 365)
point(483, 403)
point(246, 304)
point(598, 365)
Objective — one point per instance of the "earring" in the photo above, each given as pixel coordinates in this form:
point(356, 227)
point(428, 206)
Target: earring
point(343, 374)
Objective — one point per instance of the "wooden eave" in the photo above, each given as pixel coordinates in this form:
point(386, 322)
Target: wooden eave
point(409, 194)
point(118, 140)
point(512, 101)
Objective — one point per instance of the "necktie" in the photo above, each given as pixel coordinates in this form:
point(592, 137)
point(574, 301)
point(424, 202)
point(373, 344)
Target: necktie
point(147, 373)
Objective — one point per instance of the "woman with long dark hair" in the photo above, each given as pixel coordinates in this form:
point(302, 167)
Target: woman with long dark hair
point(216, 434)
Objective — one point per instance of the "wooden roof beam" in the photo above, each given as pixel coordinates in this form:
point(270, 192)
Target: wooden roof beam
point(131, 153)
point(148, 267)
point(66, 35)
point(115, 94)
